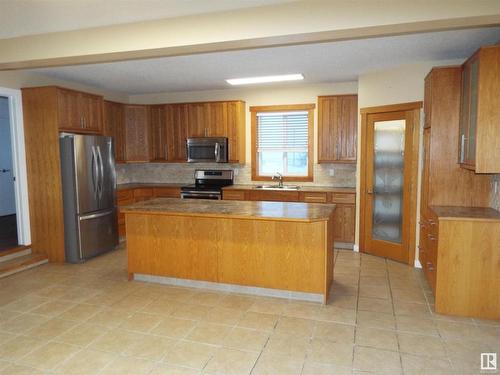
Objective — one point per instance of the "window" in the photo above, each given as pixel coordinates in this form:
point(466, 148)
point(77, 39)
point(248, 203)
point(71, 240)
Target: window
point(282, 141)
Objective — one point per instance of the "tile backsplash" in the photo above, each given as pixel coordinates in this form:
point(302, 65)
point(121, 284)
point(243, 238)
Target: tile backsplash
point(495, 197)
point(344, 175)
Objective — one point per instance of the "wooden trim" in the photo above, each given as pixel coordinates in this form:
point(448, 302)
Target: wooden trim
point(338, 95)
point(392, 108)
point(310, 135)
point(13, 250)
point(413, 113)
point(284, 107)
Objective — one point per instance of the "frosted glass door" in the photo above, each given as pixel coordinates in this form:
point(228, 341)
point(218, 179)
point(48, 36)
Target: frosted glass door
point(388, 179)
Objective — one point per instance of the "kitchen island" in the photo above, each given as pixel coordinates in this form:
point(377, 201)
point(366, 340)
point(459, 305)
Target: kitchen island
point(278, 249)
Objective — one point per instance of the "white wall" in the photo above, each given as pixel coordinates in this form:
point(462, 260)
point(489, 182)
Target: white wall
point(263, 95)
point(401, 84)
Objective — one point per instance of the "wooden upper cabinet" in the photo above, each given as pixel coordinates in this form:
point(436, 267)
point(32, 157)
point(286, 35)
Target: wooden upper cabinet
point(79, 112)
point(216, 119)
point(114, 127)
point(137, 133)
point(159, 137)
point(337, 128)
point(67, 110)
point(479, 143)
point(176, 117)
point(197, 120)
point(236, 131)
point(91, 112)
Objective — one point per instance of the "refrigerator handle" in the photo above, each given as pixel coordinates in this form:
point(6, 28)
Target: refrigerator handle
point(101, 172)
point(95, 175)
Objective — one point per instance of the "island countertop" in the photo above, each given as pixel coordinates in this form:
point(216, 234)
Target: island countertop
point(281, 211)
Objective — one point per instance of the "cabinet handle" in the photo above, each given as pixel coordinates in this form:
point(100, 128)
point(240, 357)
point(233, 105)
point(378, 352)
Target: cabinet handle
point(430, 266)
point(431, 222)
point(431, 237)
point(462, 148)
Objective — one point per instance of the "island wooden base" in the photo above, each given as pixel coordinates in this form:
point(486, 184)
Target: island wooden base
point(277, 254)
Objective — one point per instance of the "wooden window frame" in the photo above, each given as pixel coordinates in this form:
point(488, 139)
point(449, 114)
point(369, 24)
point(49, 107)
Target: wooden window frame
point(310, 137)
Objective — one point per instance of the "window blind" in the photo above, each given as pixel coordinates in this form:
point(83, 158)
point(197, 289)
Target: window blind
point(282, 131)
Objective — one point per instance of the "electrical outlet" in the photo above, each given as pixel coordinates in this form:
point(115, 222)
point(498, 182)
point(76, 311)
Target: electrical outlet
point(236, 171)
point(331, 172)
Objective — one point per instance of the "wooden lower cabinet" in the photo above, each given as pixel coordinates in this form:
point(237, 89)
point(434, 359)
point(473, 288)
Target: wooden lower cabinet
point(273, 195)
point(344, 218)
point(235, 195)
point(344, 215)
point(128, 196)
point(460, 257)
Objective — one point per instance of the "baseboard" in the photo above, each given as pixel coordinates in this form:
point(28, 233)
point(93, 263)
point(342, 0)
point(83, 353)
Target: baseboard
point(242, 289)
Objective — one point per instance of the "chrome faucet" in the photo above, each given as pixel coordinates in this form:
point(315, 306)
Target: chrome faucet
point(278, 176)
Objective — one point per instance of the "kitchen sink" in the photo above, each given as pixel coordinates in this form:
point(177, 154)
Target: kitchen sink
point(277, 187)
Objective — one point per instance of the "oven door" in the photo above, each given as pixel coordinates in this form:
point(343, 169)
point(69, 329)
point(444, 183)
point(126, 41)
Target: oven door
point(197, 195)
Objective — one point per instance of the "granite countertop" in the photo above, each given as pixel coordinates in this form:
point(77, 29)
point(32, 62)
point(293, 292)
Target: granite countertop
point(302, 188)
point(471, 213)
point(147, 185)
point(281, 211)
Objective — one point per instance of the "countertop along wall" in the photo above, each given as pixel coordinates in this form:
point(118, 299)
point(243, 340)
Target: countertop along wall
point(344, 174)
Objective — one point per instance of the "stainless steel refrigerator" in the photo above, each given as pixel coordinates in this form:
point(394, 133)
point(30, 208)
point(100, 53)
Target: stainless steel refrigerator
point(89, 184)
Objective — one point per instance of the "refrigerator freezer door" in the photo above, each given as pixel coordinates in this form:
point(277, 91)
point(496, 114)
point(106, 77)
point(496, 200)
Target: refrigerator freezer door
point(98, 233)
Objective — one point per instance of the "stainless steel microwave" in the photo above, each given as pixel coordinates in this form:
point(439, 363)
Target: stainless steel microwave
point(207, 150)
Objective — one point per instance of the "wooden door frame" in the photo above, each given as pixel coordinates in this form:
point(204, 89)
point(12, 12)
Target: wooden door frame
point(415, 107)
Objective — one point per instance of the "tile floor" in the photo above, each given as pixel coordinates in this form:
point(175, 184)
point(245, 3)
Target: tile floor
point(88, 319)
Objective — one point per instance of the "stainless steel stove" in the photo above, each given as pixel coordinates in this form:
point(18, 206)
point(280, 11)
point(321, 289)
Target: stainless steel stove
point(208, 184)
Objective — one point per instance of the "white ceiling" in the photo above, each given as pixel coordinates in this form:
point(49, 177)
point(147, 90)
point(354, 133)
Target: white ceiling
point(26, 17)
point(320, 63)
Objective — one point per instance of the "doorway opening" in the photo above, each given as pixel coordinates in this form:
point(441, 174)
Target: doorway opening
point(14, 211)
point(8, 214)
point(389, 174)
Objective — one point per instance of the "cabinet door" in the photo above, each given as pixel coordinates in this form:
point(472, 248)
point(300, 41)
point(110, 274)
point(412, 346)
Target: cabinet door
point(337, 128)
point(158, 134)
point(328, 117)
point(424, 195)
point(216, 119)
point(137, 133)
point(90, 108)
point(272, 195)
point(347, 132)
point(176, 131)
point(427, 101)
point(197, 124)
point(236, 131)
point(114, 127)
point(472, 123)
point(67, 110)
point(344, 222)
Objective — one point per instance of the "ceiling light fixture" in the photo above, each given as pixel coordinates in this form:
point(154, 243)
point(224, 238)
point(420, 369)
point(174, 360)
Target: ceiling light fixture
point(265, 79)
